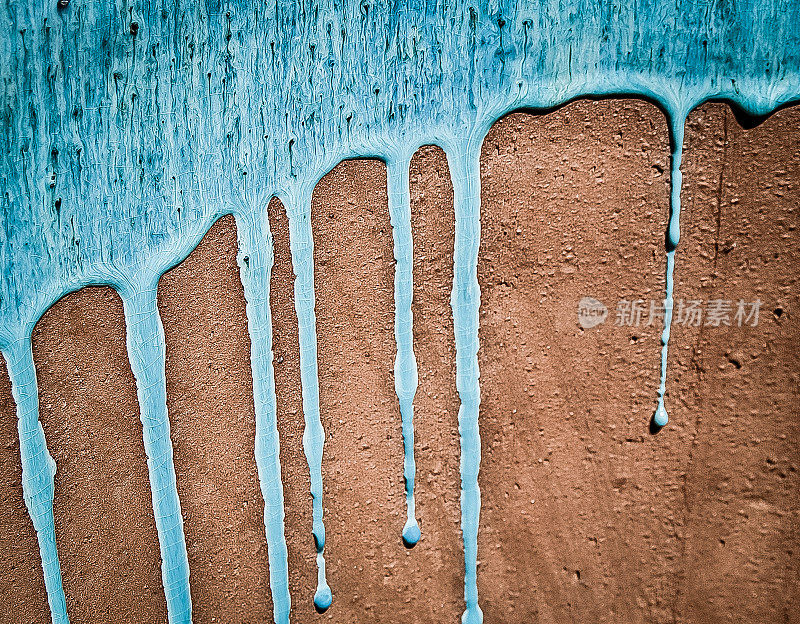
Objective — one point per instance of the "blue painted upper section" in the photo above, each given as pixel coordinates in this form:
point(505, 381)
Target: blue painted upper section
point(127, 127)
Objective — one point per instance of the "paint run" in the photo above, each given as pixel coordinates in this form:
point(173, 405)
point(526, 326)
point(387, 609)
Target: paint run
point(128, 130)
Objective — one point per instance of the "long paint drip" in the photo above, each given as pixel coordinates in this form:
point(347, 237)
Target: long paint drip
point(146, 352)
point(109, 167)
point(464, 162)
point(673, 235)
point(255, 259)
point(301, 241)
point(406, 376)
point(38, 470)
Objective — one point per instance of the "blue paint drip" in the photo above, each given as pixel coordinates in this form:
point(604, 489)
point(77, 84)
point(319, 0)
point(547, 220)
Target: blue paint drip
point(464, 162)
point(120, 146)
point(323, 597)
point(406, 377)
point(38, 470)
point(146, 352)
point(301, 240)
point(660, 417)
point(255, 259)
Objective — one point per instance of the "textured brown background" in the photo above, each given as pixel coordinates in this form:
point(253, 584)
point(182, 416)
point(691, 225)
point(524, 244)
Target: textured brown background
point(586, 517)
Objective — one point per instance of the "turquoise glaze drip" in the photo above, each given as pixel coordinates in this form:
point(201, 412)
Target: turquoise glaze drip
point(38, 468)
point(128, 128)
point(405, 364)
point(464, 162)
point(660, 417)
point(302, 248)
point(146, 352)
point(255, 259)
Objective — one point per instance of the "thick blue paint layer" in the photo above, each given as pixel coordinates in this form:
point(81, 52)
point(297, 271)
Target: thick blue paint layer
point(121, 144)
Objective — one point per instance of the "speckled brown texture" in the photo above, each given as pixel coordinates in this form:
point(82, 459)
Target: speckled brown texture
point(210, 403)
point(106, 536)
point(586, 516)
point(22, 594)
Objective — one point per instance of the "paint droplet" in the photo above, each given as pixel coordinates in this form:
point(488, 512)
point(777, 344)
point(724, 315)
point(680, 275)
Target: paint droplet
point(660, 418)
point(411, 534)
point(473, 615)
point(323, 599)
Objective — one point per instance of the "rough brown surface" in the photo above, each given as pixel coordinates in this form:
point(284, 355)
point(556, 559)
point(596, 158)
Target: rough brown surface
point(736, 395)
point(294, 469)
point(105, 532)
point(210, 403)
point(586, 516)
point(375, 578)
point(21, 573)
point(569, 474)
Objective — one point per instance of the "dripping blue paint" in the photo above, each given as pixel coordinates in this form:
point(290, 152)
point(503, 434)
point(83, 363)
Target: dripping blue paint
point(129, 128)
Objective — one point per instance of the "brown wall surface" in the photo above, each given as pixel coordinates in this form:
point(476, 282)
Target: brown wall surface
point(586, 516)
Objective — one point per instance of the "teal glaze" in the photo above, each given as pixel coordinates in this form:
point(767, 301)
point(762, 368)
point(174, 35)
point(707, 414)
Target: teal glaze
point(147, 354)
point(38, 468)
point(255, 260)
point(406, 377)
point(122, 144)
point(301, 245)
point(323, 597)
point(463, 159)
point(660, 417)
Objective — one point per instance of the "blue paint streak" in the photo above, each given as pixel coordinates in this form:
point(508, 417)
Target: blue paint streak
point(673, 235)
point(406, 377)
point(119, 147)
point(464, 162)
point(298, 208)
point(146, 352)
point(255, 259)
point(38, 470)
point(323, 597)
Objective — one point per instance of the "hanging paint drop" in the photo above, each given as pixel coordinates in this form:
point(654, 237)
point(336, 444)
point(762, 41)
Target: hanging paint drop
point(154, 143)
